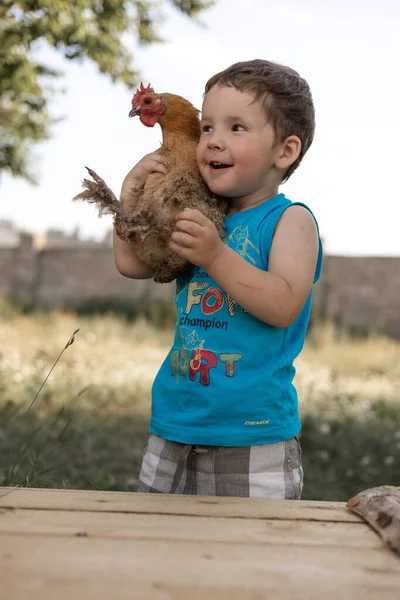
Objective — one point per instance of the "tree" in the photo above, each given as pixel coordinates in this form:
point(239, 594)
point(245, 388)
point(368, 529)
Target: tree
point(78, 29)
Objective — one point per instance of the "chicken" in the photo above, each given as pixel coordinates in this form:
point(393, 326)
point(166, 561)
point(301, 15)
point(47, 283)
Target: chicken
point(147, 221)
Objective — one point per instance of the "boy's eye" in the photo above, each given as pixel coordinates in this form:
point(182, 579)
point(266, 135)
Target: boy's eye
point(237, 127)
point(206, 128)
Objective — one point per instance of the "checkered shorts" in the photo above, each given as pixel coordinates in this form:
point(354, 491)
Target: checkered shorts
point(265, 471)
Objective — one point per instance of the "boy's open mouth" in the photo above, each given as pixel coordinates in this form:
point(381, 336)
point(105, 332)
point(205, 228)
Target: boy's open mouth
point(218, 165)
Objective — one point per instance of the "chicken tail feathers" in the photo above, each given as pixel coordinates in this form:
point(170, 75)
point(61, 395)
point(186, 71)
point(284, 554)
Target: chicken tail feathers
point(97, 192)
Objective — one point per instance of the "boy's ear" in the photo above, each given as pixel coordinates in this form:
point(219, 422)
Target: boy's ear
point(289, 151)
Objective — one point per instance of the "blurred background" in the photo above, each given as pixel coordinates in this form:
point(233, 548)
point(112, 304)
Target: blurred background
point(67, 74)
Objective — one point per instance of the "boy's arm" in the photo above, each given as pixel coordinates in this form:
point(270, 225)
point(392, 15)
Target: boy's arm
point(126, 261)
point(275, 296)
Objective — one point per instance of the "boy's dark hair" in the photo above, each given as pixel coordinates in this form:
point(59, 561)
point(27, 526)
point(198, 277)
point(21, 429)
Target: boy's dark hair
point(285, 96)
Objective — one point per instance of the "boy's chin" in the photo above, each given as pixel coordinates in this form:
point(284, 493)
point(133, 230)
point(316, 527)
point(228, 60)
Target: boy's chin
point(220, 190)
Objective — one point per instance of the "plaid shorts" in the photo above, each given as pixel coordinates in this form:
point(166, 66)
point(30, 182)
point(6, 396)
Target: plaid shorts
point(265, 471)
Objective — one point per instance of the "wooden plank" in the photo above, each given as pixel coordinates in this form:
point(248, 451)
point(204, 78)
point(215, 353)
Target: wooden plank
point(255, 508)
point(51, 567)
point(187, 528)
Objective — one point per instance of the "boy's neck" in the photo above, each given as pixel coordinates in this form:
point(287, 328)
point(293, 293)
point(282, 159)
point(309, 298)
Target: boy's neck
point(252, 200)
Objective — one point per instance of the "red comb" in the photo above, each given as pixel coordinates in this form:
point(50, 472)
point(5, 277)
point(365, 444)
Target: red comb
point(140, 92)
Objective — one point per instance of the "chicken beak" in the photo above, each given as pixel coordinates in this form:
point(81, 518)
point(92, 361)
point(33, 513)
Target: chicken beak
point(134, 111)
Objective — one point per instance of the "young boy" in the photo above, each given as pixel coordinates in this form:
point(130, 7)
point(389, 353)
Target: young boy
point(224, 410)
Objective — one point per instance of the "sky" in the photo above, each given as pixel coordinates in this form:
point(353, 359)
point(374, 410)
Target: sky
point(347, 50)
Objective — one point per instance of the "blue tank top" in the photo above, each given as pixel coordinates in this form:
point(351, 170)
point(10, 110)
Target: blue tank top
point(228, 378)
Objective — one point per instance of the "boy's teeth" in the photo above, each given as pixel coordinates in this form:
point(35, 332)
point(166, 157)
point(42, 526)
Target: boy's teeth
point(218, 164)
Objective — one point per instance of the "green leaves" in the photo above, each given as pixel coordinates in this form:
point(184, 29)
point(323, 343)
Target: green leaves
point(192, 7)
point(91, 29)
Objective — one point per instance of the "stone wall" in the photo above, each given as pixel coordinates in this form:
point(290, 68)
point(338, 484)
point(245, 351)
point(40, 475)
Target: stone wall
point(361, 294)
point(67, 276)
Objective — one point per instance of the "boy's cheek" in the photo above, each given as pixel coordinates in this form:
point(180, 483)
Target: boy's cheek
point(201, 149)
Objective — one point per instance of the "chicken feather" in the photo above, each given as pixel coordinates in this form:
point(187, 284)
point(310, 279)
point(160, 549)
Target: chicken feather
point(146, 220)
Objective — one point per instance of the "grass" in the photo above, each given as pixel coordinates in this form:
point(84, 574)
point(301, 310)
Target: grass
point(88, 427)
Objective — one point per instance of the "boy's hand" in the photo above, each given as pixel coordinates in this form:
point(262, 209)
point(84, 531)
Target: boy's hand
point(196, 238)
point(150, 163)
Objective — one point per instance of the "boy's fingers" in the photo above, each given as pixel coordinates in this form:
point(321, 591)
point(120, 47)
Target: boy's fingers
point(159, 168)
point(157, 163)
point(154, 154)
point(181, 239)
point(181, 250)
point(192, 214)
point(189, 227)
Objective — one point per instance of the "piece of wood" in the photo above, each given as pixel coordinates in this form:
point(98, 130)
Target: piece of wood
point(80, 545)
point(187, 528)
point(49, 567)
point(246, 508)
point(380, 507)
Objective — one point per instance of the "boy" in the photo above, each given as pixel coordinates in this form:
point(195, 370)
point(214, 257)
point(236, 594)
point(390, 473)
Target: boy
point(224, 409)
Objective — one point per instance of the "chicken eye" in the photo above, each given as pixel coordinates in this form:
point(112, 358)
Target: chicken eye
point(147, 101)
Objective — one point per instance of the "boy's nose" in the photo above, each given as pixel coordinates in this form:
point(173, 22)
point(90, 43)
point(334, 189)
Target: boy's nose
point(215, 143)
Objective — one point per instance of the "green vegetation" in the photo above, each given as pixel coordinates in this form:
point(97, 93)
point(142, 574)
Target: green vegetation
point(88, 427)
point(95, 30)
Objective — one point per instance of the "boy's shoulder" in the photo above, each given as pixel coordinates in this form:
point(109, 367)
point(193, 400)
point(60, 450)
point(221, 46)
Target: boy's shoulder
point(297, 218)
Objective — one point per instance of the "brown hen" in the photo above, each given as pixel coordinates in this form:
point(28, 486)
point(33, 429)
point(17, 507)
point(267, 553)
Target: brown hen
point(147, 220)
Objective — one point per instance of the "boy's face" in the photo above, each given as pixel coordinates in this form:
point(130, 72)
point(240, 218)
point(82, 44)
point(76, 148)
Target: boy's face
point(236, 150)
